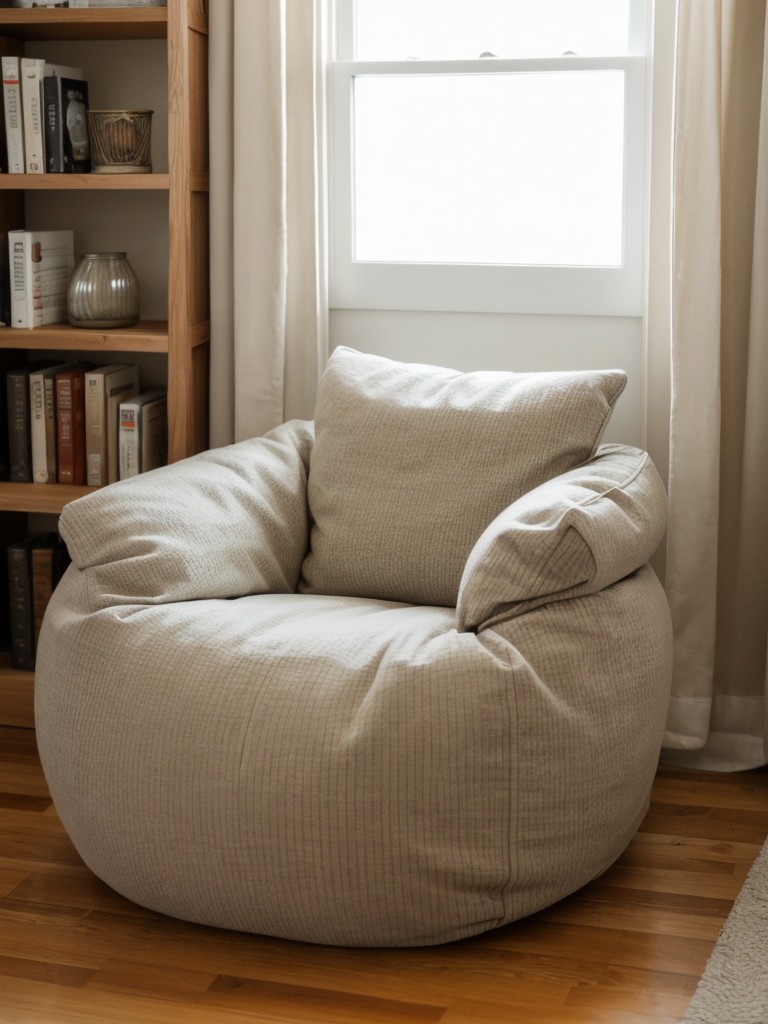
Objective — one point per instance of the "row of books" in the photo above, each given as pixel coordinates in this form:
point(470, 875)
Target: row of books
point(77, 423)
point(45, 107)
point(35, 566)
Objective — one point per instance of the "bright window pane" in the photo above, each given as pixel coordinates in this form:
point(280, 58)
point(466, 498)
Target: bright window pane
point(427, 29)
point(522, 168)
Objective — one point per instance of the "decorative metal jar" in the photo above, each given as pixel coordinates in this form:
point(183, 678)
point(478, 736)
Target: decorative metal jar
point(120, 141)
point(103, 292)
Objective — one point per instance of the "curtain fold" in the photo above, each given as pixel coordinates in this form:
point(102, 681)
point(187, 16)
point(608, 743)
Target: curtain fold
point(717, 548)
point(268, 272)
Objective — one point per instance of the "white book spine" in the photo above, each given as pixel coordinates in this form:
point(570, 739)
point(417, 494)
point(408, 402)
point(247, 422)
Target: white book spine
point(14, 123)
point(126, 387)
point(50, 262)
point(32, 70)
point(130, 435)
point(95, 467)
point(18, 250)
point(130, 439)
point(41, 410)
point(49, 385)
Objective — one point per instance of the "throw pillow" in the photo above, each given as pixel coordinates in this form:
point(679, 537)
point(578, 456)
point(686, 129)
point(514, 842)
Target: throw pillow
point(412, 462)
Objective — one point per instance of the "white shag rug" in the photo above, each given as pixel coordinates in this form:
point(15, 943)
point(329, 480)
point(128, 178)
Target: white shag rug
point(734, 986)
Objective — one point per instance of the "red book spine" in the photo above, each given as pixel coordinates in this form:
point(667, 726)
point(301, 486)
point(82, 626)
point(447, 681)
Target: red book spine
point(70, 423)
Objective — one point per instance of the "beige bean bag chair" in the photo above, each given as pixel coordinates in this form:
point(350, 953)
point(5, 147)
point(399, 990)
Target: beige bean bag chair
point(393, 678)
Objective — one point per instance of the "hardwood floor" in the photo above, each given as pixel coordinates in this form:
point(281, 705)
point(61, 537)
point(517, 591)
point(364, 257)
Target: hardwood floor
point(627, 949)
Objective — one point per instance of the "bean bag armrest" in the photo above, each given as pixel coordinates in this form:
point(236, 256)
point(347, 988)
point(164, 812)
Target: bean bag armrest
point(228, 522)
point(574, 535)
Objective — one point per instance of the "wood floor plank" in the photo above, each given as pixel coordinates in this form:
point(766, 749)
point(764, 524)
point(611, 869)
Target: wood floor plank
point(662, 953)
point(11, 879)
point(619, 897)
point(626, 949)
point(134, 977)
point(687, 856)
point(711, 851)
point(708, 794)
point(653, 1003)
point(44, 971)
point(26, 1002)
point(300, 1002)
point(481, 1012)
point(89, 893)
point(675, 820)
point(698, 884)
point(637, 919)
point(537, 935)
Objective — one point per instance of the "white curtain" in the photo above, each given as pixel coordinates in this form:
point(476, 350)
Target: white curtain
point(717, 551)
point(268, 276)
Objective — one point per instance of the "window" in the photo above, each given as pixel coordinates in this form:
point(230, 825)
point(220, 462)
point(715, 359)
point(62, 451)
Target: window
point(488, 155)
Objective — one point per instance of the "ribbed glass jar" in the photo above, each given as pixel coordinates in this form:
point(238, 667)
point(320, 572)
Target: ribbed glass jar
point(103, 292)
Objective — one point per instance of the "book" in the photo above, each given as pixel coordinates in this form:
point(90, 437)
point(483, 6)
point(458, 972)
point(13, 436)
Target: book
point(105, 388)
point(49, 559)
point(5, 602)
point(42, 451)
point(41, 264)
point(19, 419)
point(5, 280)
point(143, 436)
point(12, 109)
point(5, 459)
point(42, 405)
point(31, 73)
point(70, 424)
point(65, 105)
point(21, 601)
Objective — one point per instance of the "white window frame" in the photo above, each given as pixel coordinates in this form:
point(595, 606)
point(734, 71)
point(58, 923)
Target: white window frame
point(604, 291)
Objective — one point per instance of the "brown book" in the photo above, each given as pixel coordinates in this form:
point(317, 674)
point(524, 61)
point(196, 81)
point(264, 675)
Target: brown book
point(20, 592)
point(49, 560)
point(70, 424)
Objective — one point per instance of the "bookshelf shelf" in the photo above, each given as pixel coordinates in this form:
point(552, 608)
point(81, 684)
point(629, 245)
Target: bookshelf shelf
point(99, 23)
point(39, 498)
point(170, 209)
point(85, 182)
point(145, 336)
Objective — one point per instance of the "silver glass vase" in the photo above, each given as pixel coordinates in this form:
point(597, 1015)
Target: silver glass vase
point(103, 292)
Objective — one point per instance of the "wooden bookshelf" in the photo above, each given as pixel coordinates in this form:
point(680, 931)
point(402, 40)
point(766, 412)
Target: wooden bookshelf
point(182, 340)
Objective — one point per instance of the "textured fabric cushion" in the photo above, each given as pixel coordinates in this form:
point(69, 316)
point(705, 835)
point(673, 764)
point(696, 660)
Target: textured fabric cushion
point(230, 521)
point(411, 463)
point(571, 536)
point(351, 771)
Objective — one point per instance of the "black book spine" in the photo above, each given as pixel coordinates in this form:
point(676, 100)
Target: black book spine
point(18, 427)
point(52, 110)
point(74, 126)
point(5, 462)
point(20, 598)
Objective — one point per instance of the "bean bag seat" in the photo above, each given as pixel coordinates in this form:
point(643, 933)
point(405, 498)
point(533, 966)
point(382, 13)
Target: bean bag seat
point(389, 678)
